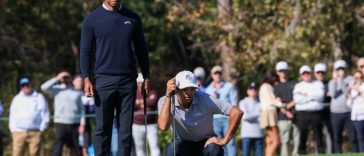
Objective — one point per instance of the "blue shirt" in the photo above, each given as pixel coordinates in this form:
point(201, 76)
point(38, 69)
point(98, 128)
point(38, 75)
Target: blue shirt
point(226, 93)
point(197, 123)
point(111, 34)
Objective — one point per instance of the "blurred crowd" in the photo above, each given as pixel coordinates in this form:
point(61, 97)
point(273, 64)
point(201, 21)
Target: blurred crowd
point(279, 112)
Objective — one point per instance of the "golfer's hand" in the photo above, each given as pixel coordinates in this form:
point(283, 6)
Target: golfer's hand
point(171, 87)
point(146, 86)
point(215, 140)
point(88, 88)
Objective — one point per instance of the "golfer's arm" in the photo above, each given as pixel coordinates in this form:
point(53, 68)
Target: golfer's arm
point(234, 121)
point(164, 118)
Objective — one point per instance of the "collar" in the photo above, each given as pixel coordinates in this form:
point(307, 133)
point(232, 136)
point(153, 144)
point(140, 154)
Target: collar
point(105, 7)
point(34, 93)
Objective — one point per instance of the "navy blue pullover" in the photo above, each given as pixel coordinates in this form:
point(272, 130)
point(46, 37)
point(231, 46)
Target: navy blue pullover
point(111, 34)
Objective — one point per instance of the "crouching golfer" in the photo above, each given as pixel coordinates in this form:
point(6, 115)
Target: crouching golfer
point(193, 112)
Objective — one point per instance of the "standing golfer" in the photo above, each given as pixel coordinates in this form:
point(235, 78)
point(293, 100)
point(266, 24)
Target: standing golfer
point(112, 31)
point(193, 113)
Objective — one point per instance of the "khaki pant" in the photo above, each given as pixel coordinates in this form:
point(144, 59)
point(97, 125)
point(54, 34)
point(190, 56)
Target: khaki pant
point(21, 139)
point(285, 129)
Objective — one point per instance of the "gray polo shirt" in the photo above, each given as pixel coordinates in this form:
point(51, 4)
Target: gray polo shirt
point(197, 124)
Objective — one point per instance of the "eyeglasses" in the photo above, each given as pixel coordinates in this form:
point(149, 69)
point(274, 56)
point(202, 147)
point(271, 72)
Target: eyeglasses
point(358, 78)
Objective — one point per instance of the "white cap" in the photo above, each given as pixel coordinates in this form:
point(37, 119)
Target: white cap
point(185, 79)
point(199, 72)
point(320, 67)
point(340, 64)
point(216, 69)
point(305, 68)
point(281, 65)
point(140, 78)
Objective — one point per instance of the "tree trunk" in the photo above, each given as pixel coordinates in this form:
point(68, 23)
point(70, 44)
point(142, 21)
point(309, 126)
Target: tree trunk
point(227, 53)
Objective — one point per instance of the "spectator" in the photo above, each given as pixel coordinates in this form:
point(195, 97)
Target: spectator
point(356, 102)
point(68, 111)
point(139, 132)
point(268, 116)
point(360, 64)
point(226, 92)
point(200, 76)
point(340, 112)
point(320, 75)
point(28, 118)
point(284, 91)
point(251, 133)
point(308, 96)
point(192, 116)
point(89, 107)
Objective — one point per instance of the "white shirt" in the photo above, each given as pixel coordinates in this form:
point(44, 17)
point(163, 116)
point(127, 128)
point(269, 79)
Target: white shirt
point(357, 104)
point(105, 7)
point(308, 96)
point(28, 113)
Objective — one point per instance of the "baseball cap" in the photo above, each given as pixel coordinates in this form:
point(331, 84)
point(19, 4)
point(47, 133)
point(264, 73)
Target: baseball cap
point(305, 68)
point(24, 81)
point(140, 78)
point(185, 79)
point(281, 65)
point(199, 72)
point(320, 67)
point(252, 85)
point(216, 69)
point(340, 64)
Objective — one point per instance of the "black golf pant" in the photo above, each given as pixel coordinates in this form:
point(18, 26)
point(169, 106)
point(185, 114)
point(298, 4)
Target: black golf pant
point(114, 94)
point(338, 122)
point(66, 134)
point(191, 148)
point(306, 121)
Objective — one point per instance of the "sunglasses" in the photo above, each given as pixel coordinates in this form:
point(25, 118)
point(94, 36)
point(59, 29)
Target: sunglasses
point(199, 78)
point(340, 69)
point(283, 71)
point(217, 73)
point(306, 73)
point(361, 66)
point(25, 85)
point(320, 72)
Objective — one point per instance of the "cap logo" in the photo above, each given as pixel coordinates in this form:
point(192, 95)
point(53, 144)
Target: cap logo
point(188, 77)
